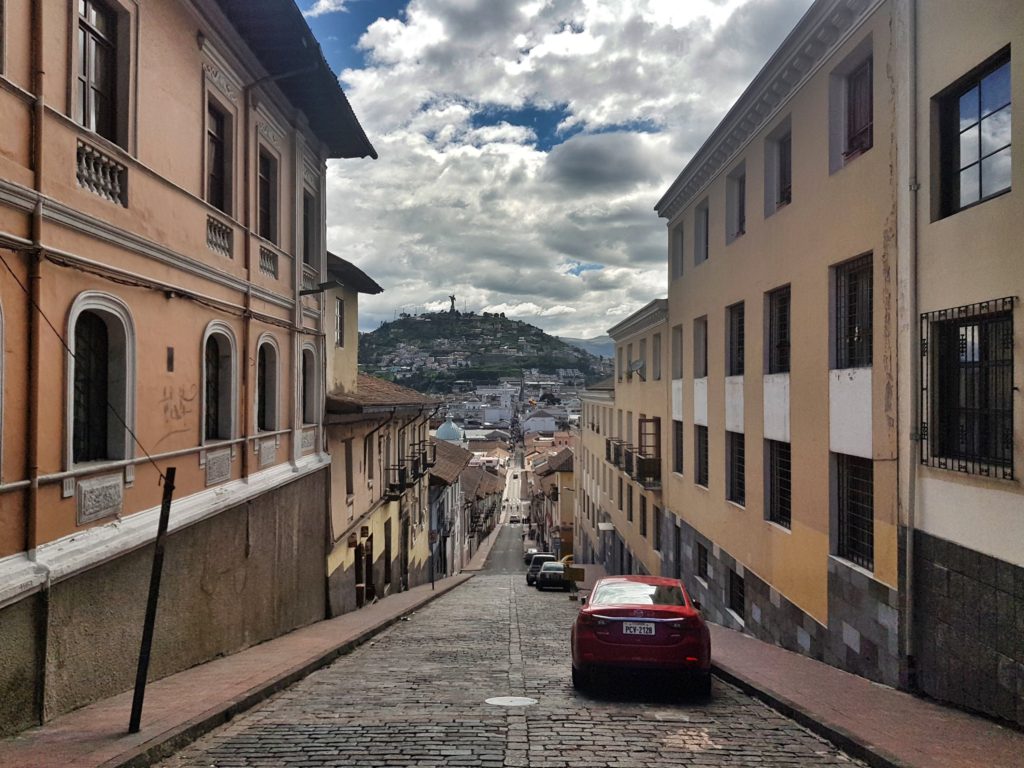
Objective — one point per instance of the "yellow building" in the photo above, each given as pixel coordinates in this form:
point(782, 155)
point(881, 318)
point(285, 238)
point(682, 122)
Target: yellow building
point(162, 184)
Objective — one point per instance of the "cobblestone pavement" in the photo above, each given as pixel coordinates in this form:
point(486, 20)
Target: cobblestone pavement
point(415, 697)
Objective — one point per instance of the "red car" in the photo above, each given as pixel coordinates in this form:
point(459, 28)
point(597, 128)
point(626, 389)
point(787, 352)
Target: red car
point(641, 622)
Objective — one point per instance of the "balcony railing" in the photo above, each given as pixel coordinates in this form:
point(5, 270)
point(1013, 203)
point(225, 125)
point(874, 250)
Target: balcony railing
point(617, 453)
point(429, 454)
point(627, 459)
point(648, 471)
point(219, 237)
point(268, 261)
point(102, 175)
point(309, 278)
point(397, 482)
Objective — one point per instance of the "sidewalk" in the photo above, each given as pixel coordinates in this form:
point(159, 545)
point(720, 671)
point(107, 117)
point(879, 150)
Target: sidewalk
point(880, 725)
point(180, 708)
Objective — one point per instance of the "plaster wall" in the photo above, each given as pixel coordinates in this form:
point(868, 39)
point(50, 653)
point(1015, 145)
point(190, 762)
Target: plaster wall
point(849, 410)
point(20, 650)
point(734, 404)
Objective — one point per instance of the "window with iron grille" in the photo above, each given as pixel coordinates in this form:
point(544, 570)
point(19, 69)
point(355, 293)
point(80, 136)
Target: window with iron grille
point(853, 313)
point(859, 110)
point(737, 595)
point(855, 510)
point(736, 485)
point(701, 450)
point(629, 503)
point(677, 447)
point(656, 522)
point(778, 330)
point(702, 561)
point(96, 103)
point(779, 483)
point(736, 347)
point(967, 388)
point(643, 516)
point(975, 130)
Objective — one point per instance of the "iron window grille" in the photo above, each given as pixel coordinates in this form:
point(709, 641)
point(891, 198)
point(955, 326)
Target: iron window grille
point(855, 510)
point(701, 435)
point(737, 595)
point(736, 340)
point(737, 473)
point(677, 447)
point(702, 561)
point(780, 507)
point(785, 150)
point(975, 127)
point(859, 110)
point(853, 313)
point(967, 389)
point(778, 330)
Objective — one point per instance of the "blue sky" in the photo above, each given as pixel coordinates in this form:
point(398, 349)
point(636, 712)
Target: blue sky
point(523, 144)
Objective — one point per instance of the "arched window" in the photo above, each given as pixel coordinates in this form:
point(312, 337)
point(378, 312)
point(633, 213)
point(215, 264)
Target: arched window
point(266, 385)
point(101, 379)
point(309, 399)
point(218, 382)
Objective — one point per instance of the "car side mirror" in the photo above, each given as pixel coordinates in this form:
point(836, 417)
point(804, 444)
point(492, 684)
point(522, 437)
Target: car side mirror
point(697, 605)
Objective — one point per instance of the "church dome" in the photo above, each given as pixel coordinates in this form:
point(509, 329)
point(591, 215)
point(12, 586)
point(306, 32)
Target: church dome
point(449, 432)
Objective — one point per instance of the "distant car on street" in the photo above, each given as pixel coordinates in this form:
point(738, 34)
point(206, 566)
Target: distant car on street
point(551, 576)
point(535, 564)
point(528, 554)
point(644, 622)
point(513, 519)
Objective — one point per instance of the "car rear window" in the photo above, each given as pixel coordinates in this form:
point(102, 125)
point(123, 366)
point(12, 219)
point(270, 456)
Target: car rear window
point(552, 567)
point(634, 593)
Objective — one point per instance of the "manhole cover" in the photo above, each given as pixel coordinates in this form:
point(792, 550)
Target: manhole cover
point(510, 701)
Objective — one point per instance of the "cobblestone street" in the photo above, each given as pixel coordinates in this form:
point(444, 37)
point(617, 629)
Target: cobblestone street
point(415, 697)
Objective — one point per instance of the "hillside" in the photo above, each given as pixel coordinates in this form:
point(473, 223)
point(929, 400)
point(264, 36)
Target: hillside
point(602, 346)
point(430, 351)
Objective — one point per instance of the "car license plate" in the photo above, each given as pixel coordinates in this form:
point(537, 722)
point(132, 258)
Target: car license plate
point(637, 628)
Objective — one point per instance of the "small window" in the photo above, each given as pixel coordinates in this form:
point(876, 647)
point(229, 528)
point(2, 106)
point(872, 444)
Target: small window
point(266, 387)
point(350, 479)
point(779, 481)
point(736, 484)
point(700, 232)
point(218, 384)
point(96, 102)
point(339, 323)
point(643, 516)
point(778, 168)
point(310, 220)
point(368, 457)
point(629, 503)
point(677, 351)
point(700, 347)
point(851, 106)
point(853, 313)
point(629, 362)
point(677, 447)
point(656, 523)
point(702, 561)
point(855, 510)
point(784, 184)
point(736, 203)
point(975, 132)
point(859, 110)
point(701, 452)
point(643, 372)
point(656, 357)
point(778, 330)
point(676, 251)
point(736, 346)
point(737, 595)
point(620, 367)
point(309, 389)
point(92, 387)
point(621, 495)
point(218, 159)
point(267, 193)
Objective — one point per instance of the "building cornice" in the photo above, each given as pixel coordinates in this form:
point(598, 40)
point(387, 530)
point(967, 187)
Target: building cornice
point(652, 314)
point(821, 31)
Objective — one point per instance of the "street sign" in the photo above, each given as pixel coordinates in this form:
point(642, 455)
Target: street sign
point(575, 574)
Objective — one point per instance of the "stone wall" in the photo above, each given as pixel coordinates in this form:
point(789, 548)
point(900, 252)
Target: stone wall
point(20, 644)
point(969, 628)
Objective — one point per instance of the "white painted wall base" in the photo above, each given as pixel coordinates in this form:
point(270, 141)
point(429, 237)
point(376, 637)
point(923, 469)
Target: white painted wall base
point(849, 412)
point(734, 404)
point(776, 407)
point(677, 399)
point(700, 401)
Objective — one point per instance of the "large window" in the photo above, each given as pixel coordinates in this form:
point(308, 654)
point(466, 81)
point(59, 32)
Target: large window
point(677, 447)
point(656, 524)
point(779, 483)
point(778, 330)
point(784, 184)
point(853, 313)
point(309, 399)
point(339, 323)
point(736, 203)
point(734, 318)
point(975, 133)
point(967, 388)
point(92, 377)
point(96, 102)
point(218, 384)
point(778, 167)
point(700, 232)
point(267, 196)
point(736, 486)
point(855, 510)
point(643, 516)
point(701, 452)
point(217, 157)
point(859, 110)
point(700, 347)
point(310, 220)
point(677, 351)
point(266, 387)
point(656, 357)
point(675, 244)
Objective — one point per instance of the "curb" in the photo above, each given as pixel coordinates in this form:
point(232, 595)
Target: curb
point(837, 735)
point(174, 739)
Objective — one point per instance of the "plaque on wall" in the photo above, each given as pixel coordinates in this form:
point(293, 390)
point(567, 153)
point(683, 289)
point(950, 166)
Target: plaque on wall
point(308, 439)
point(100, 497)
point(218, 466)
point(268, 452)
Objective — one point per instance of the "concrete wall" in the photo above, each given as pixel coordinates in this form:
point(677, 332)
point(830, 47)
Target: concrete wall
point(20, 643)
point(247, 575)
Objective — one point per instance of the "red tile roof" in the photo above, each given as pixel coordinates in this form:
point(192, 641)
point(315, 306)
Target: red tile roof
point(372, 392)
point(451, 460)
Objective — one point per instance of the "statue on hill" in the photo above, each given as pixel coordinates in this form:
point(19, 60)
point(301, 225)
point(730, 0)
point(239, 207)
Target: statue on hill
point(452, 300)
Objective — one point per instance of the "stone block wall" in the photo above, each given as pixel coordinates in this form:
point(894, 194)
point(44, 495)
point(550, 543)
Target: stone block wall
point(969, 628)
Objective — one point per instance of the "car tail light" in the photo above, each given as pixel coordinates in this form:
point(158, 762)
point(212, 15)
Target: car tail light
point(590, 621)
point(690, 622)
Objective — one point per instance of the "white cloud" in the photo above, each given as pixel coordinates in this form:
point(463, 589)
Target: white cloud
point(463, 200)
point(320, 7)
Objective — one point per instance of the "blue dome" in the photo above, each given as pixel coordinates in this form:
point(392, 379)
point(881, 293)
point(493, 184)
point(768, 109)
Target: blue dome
point(449, 432)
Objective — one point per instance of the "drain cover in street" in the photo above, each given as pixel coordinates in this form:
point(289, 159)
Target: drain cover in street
point(510, 701)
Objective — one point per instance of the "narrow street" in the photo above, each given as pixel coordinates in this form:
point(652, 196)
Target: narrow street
point(416, 695)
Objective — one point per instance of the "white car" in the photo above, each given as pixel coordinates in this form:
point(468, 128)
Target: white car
point(513, 519)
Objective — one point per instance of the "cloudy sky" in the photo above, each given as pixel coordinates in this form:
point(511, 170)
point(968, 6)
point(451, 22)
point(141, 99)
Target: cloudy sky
point(524, 143)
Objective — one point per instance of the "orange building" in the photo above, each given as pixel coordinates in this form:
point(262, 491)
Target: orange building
point(162, 182)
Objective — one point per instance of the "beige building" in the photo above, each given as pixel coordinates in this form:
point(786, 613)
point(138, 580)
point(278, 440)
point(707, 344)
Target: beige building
point(841, 429)
point(162, 181)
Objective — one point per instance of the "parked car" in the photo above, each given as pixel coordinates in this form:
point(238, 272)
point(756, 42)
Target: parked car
point(551, 576)
point(644, 622)
point(528, 554)
point(513, 519)
point(535, 563)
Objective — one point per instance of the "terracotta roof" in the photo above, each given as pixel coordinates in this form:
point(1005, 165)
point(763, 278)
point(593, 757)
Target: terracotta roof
point(561, 461)
point(451, 460)
point(478, 483)
point(374, 393)
point(351, 276)
point(603, 384)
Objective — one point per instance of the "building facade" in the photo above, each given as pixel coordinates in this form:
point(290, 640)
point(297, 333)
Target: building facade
point(162, 182)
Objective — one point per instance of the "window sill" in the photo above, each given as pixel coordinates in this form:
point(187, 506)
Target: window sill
point(350, 499)
point(701, 486)
point(703, 581)
point(779, 527)
point(736, 504)
point(853, 566)
point(739, 619)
